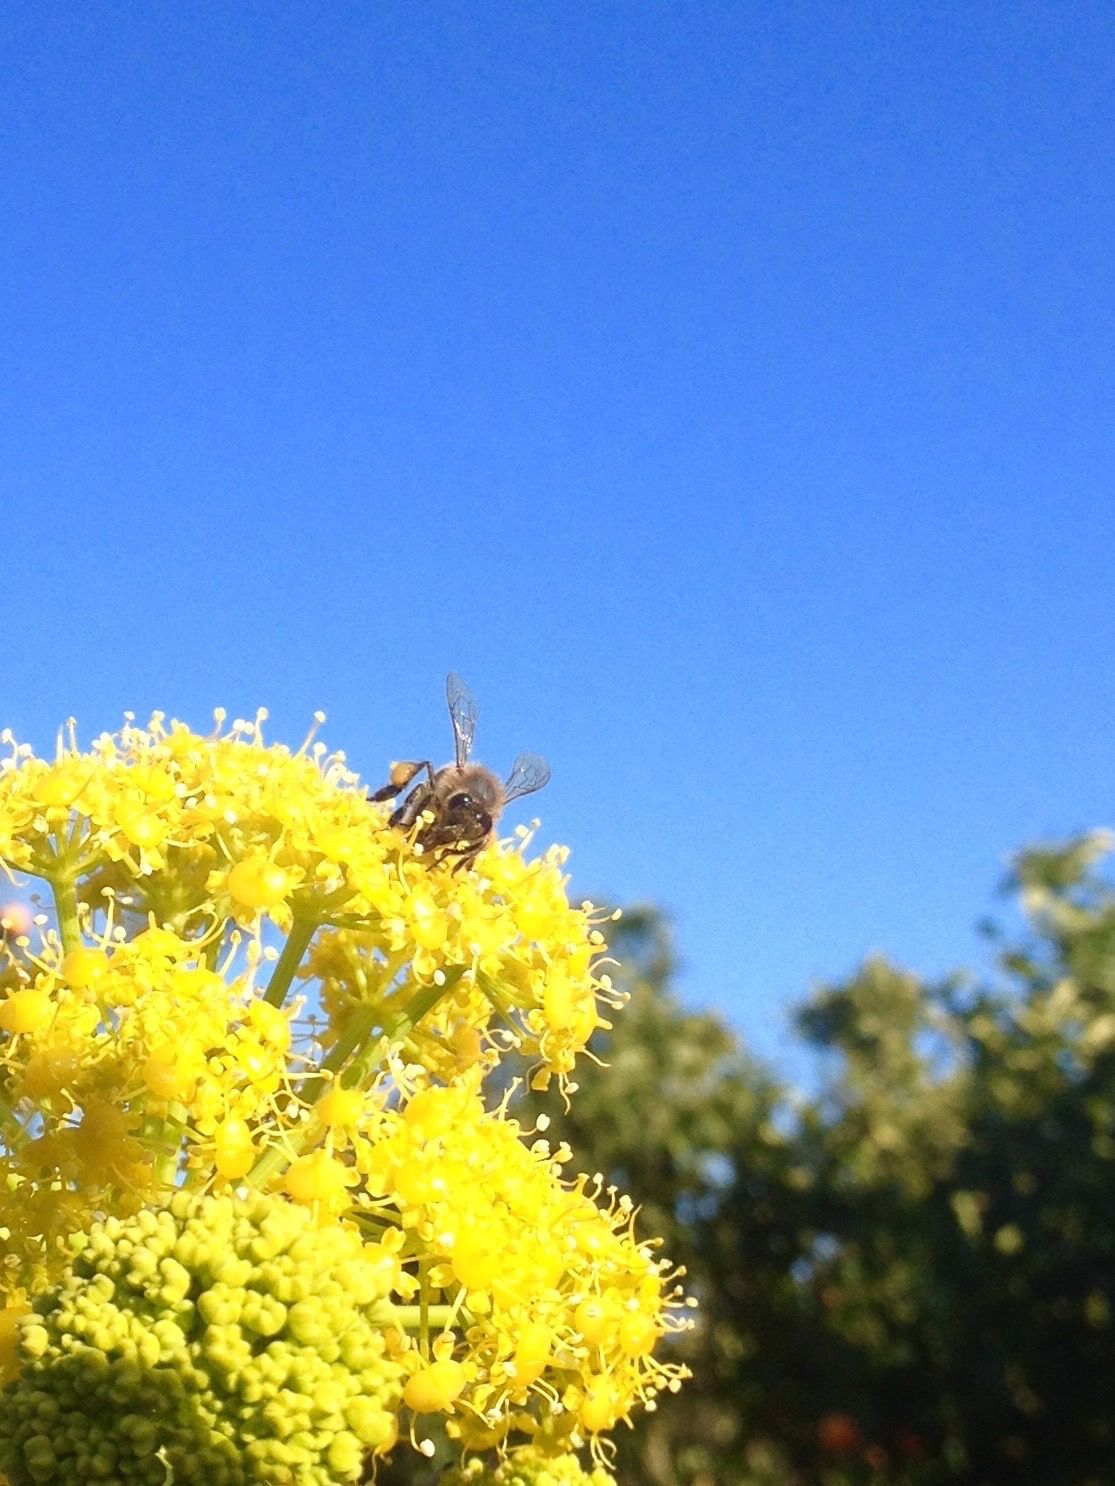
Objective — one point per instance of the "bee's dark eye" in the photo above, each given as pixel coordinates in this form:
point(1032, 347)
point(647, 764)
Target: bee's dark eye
point(457, 802)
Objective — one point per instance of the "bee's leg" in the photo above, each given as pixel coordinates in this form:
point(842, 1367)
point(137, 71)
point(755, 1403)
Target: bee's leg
point(436, 838)
point(446, 846)
point(401, 815)
point(466, 851)
point(401, 776)
point(406, 815)
point(461, 833)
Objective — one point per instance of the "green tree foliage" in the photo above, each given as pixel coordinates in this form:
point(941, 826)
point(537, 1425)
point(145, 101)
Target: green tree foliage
point(908, 1276)
point(967, 1137)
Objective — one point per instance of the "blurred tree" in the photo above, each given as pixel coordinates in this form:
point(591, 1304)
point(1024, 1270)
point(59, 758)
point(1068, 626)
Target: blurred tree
point(963, 1140)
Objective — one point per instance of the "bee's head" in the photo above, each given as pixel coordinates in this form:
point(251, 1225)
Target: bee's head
point(472, 787)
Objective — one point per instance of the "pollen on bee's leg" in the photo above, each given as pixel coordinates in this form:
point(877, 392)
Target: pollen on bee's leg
point(403, 773)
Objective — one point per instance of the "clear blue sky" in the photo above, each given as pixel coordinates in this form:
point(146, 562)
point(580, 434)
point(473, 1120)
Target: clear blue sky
point(725, 389)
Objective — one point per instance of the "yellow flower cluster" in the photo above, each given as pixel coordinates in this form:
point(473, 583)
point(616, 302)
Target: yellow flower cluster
point(126, 1064)
point(208, 833)
point(552, 1304)
point(149, 1041)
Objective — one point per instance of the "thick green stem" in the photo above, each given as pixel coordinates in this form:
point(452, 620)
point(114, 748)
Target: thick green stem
point(500, 1003)
point(355, 1035)
point(298, 941)
point(170, 1138)
point(12, 1132)
point(397, 1030)
point(367, 1059)
point(409, 1317)
point(65, 904)
point(213, 942)
point(423, 1308)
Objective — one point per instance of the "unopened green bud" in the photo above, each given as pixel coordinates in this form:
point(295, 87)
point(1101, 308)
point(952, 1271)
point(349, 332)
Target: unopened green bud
point(129, 1380)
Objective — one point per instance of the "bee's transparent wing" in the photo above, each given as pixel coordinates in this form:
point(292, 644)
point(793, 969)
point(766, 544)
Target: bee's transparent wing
point(528, 773)
point(464, 712)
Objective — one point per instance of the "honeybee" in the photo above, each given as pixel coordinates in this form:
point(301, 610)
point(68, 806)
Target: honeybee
point(465, 799)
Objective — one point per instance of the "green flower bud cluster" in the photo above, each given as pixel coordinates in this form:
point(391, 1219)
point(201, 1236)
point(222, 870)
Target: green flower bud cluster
point(224, 1340)
point(528, 1467)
